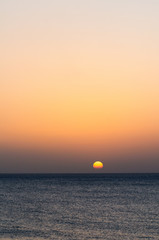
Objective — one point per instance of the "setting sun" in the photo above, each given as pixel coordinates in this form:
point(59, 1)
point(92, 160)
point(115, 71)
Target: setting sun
point(98, 164)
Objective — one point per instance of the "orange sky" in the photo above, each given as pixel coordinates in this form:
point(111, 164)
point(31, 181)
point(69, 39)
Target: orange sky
point(79, 75)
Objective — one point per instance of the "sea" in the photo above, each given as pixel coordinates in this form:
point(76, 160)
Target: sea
point(79, 206)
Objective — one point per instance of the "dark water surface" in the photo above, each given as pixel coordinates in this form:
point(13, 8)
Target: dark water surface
point(79, 206)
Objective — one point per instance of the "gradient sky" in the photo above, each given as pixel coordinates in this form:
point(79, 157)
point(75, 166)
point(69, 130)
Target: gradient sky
point(79, 82)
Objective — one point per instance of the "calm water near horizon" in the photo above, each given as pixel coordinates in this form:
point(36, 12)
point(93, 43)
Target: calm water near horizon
point(79, 206)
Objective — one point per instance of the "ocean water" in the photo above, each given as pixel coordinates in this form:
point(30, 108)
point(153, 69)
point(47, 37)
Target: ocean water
point(79, 206)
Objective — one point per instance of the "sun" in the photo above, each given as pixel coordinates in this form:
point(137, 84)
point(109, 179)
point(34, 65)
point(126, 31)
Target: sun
point(98, 164)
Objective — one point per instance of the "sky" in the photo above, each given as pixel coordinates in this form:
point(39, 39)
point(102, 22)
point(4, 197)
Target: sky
point(79, 83)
